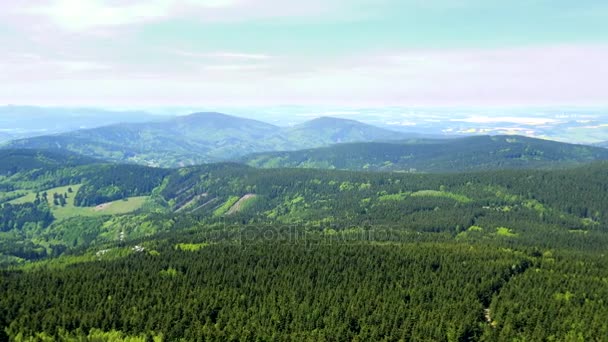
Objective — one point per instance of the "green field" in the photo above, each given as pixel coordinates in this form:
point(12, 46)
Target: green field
point(445, 194)
point(69, 210)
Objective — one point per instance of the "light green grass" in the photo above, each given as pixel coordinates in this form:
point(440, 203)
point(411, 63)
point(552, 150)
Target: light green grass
point(394, 197)
point(191, 247)
point(11, 195)
point(226, 206)
point(445, 194)
point(68, 260)
point(475, 229)
point(31, 196)
point(503, 231)
point(69, 210)
point(112, 208)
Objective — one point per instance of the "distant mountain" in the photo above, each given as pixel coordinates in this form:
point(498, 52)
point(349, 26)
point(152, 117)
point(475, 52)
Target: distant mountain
point(445, 155)
point(203, 137)
point(5, 137)
point(28, 121)
point(328, 130)
point(603, 144)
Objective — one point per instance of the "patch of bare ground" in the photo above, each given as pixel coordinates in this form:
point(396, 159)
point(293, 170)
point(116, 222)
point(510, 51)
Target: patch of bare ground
point(188, 203)
point(239, 204)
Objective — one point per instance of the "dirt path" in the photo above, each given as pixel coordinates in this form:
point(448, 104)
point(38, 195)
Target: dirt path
point(239, 204)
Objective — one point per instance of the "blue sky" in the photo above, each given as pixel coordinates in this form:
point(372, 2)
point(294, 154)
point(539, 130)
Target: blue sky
point(328, 52)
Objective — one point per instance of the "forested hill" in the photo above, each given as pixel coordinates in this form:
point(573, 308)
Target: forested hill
point(602, 144)
point(329, 130)
point(13, 161)
point(447, 155)
point(4, 137)
point(230, 252)
point(293, 195)
point(202, 138)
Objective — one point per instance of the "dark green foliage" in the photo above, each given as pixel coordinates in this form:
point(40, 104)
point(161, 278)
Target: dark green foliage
point(318, 255)
point(112, 182)
point(447, 155)
point(272, 284)
point(16, 216)
point(297, 291)
point(18, 160)
point(572, 198)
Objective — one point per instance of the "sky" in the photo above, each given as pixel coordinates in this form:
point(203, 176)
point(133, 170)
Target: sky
point(314, 52)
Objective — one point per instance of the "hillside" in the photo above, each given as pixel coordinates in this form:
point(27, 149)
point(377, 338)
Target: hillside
point(201, 138)
point(328, 130)
point(445, 155)
point(238, 193)
point(603, 144)
point(5, 137)
point(223, 250)
point(30, 121)
point(19, 160)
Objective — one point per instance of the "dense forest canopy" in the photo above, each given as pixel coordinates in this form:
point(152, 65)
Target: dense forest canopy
point(229, 252)
point(436, 155)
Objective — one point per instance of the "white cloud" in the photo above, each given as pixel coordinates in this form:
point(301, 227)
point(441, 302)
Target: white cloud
point(85, 15)
point(224, 55)
point(509, 119)
point(80, 15)
point(233, 67)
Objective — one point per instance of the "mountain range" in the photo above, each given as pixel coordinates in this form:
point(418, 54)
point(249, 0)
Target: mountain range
point(28, 121)
point(324, 142)
point(202, 138)
point(431, 155)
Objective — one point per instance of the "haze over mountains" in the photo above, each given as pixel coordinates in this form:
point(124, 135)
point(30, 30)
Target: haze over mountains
point(203, 137)
point(324, 142)
point(28, 121)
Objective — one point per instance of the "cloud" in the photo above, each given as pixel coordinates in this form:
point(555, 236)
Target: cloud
point(224, 55)
point(85, 15)
point(527, 76)
point(78, 15)
point(521, 120)
point(233, 67)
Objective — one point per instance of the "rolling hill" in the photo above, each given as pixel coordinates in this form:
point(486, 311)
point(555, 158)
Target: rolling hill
point(329, 130)
point(29, 121)
point(603, 144)
point(5, 137)
point(446, 155)
point(19, 160)
point(140, 253)
point(201, 138)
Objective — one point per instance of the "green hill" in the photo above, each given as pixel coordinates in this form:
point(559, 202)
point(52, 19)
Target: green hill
point(446, 155)
point(328, 130)
point(228, 252)
point(201, 138)
point(19, 160)
point(602, 144)
point(5, 137)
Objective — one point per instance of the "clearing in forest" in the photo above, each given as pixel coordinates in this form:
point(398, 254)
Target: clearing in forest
point(68, 209)
point(239, 205)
